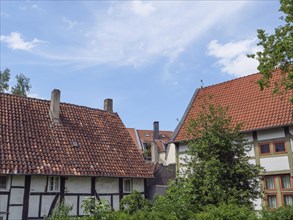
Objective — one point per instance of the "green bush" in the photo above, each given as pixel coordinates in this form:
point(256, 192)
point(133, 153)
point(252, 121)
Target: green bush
point(60, 212)
point(134, 202)
point(282, 213)
point(225, 212)
point(98, 210)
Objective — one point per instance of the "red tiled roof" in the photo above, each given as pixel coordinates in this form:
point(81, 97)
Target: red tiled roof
point(147, 136)
point(246, 103)
point(30, 144)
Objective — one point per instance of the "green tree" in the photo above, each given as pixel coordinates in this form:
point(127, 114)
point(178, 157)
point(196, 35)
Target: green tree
point(277, 52)
point(217, 162)
point(22, 86)
point(4, 79)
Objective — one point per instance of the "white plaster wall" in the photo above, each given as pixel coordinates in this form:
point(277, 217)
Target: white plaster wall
point(78, 185)
point(275, 163)
point(3, 203)
point(252, 161)
point(33, 206)
point(18, 180)
point(270, 134)
point(251, 153)
point(116, 202)
point(106, 199)
point(38, 183)
point(291, 130)
point(257, 204)
point(138, 185)
point(46, 204)
point(15, 212)
point(72, 201)
point(107, 185)
point(16, 196)
point(183, 148)
point(162, 156)
point(248, 137)
point(171, 154)
point(81, 198)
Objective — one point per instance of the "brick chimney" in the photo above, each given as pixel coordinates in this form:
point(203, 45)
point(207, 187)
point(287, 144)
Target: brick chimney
point(55, 106)
point(108, 105)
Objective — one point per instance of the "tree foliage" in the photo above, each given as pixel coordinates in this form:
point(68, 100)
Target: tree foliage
point(277, 51)
point(217, 166)
point(22, 86)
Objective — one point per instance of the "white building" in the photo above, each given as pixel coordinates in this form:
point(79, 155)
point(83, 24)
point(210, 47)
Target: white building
point(267, 123)
point(52, 152)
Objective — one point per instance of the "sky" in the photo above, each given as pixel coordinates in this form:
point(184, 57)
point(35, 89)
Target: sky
point(148, 56)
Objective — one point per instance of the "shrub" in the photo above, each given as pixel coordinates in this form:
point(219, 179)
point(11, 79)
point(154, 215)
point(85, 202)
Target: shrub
point(133, 203)
point(227, 212)
point(282, 213)
point(60, 212)
point(99, 210)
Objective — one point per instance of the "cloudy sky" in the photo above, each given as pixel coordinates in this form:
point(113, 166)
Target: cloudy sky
point(148, 56)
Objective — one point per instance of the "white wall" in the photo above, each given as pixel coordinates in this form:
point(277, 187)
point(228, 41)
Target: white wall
point(275, 163)
point(171, 154)
point(78, 185)
point(107, 185)
point(38, 183)
point(270, 134)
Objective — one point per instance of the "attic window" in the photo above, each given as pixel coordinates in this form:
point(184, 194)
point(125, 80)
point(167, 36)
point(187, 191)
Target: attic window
point(75, 144)
point(147, 135)
point(163, 135)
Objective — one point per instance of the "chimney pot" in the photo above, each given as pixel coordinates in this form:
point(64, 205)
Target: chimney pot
point(108, 105)
point(55, 106)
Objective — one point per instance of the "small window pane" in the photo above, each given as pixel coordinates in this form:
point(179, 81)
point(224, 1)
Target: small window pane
point(288, 199)
point(286, 184)
point(2, 182)
point(265, 148)
point(272, 202)
point(280, 147)
point(270, 183)
point(127, 185)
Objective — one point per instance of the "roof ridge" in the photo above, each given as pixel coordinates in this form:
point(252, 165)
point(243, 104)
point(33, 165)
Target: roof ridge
point(241, 77)
point(62, 103)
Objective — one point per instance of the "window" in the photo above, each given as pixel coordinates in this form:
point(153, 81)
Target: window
point(286, 182)
point(3, 182)
point(288, 200)
point(1, 218)
point(272, 201)
point(54, 183)
point(280, 147)
point(264, 148)
point(270, 182)
point(127, 186)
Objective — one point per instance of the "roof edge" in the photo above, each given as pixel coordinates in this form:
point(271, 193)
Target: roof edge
point(177, 129)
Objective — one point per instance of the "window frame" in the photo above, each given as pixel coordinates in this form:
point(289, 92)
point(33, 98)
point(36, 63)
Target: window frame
point(265, 182)
point(264, 143)
point(54, 183)
point(281, 182)
point(283, 194)
point(280, 152)
point(130, 185)
point(267, 200)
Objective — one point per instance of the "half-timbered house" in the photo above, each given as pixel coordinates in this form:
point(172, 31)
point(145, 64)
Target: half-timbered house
point(52, 152)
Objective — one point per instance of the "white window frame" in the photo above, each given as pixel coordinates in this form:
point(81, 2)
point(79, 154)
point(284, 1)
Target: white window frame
point(6, 185)
point(53, 184)
point(129, 180)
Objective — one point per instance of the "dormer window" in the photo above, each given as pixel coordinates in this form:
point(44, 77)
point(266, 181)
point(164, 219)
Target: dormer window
point(147, 135)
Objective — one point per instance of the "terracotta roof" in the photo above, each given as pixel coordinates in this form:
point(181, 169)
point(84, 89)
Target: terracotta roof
point(30, 144)
point(246, 103)
point(147, 136)
point(134, 137)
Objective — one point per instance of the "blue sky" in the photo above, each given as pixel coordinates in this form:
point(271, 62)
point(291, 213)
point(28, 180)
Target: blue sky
point(148, 56)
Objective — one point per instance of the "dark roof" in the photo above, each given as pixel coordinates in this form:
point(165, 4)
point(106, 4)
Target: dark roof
point(246, 104)
point(31, 144)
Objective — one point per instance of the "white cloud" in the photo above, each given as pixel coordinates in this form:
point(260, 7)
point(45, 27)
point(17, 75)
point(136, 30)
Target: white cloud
point(232, 56)
point(70, 23)
point(142, 8)
point(16, 42)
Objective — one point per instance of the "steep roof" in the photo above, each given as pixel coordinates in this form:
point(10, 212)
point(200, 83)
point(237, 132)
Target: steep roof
point(246, 104)
point(31, 144)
